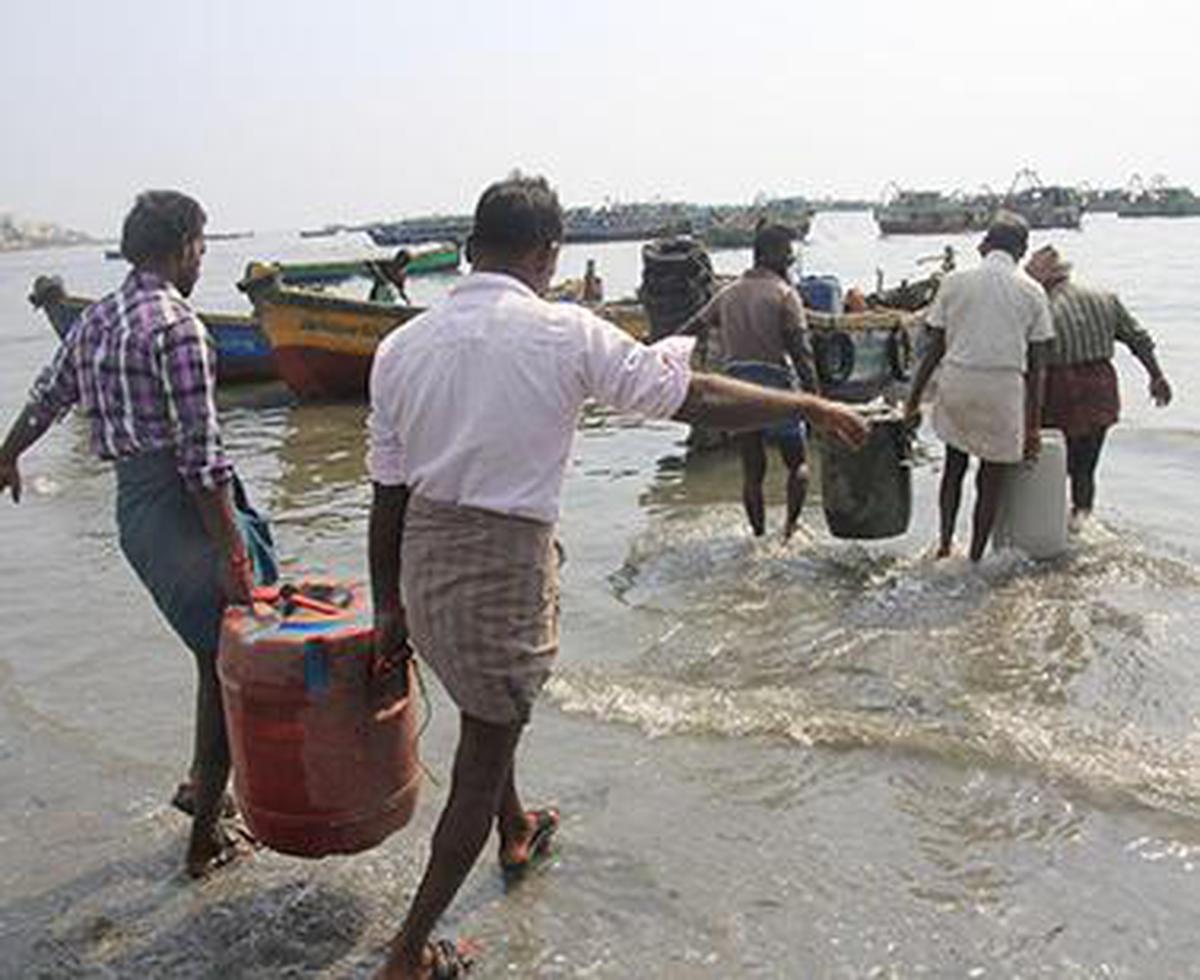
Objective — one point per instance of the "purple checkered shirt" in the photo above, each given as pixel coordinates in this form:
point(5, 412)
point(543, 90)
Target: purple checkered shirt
point(142, 368)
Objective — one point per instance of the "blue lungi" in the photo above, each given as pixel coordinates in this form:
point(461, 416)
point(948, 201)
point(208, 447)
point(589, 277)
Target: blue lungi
point(164, 539)
point(790, 431)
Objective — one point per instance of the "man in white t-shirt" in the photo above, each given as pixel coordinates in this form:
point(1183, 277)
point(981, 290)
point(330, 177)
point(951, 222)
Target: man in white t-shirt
point(473, 410)
point(990, 330)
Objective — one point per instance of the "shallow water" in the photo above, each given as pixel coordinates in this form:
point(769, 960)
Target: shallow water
point(818, 759)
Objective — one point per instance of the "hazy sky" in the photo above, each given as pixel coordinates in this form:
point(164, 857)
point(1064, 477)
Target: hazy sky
point(281, 115)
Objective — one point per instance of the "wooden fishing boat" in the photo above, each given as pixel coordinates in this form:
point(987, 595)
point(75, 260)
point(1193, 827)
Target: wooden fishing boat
point(859, 356)
point(438, 228)
point(422, 259)
point(906, 212)
point(323, 344)
point(737, 230)
point(1043, 206)
point(1159, 201)
point(1107, 200)
point(243, 354)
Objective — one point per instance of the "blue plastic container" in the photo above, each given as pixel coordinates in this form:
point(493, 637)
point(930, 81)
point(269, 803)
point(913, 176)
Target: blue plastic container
point(822, 293)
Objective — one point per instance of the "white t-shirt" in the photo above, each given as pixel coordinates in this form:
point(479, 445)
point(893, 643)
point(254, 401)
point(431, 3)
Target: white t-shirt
point(475, 402)
point(990, 314)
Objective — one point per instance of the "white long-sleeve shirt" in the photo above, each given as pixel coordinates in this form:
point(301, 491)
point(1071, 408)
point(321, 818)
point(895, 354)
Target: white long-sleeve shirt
point(475, 402)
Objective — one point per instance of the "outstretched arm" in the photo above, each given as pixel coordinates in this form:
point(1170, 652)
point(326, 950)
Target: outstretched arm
point(29, 427)
point(719, 402)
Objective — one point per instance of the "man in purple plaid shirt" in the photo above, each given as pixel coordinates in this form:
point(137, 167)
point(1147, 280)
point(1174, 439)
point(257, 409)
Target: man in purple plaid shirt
point(140, 367)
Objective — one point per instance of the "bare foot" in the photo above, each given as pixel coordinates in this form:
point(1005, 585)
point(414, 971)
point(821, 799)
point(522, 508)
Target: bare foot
point(184, 801)
point(226, 845)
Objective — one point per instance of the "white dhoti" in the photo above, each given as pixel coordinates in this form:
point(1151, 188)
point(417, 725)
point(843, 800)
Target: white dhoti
point(981, 412)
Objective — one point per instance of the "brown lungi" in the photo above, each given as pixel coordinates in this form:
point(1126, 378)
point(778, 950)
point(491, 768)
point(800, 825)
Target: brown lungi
point(1081, 398)
point(481, 596)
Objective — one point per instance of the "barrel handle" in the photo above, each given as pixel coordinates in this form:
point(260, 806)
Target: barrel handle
point(273, 595)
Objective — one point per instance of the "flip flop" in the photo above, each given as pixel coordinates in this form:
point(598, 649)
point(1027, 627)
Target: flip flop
point(450, 959)
point(545, 825)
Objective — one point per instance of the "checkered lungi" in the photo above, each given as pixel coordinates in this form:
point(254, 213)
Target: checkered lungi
point(1081, 398)
point(481, 596)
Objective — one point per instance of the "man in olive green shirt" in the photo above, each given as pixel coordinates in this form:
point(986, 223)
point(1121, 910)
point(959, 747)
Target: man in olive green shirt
point(1082, 396)
point(759, 331)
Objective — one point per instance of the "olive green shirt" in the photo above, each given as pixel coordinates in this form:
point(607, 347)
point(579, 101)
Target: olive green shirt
point(1087, 324)
point(760, 318)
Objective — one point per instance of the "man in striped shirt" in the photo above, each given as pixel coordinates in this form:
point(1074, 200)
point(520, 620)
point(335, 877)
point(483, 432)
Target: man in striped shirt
point(141, 369)
point(1081, 384)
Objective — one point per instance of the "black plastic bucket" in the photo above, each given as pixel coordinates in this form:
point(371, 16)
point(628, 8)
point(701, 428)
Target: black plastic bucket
point(868, 494)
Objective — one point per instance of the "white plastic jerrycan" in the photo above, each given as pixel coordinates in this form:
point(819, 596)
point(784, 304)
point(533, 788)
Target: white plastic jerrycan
point(1032, 516)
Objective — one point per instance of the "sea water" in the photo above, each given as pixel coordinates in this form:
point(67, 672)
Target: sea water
point(818, 758)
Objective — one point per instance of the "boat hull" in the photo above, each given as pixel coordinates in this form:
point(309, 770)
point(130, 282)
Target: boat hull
point(243, 353)
point(1160, 211)
point(1043, 219)
point(926, 224)
point(860, 356)
point(323, 345)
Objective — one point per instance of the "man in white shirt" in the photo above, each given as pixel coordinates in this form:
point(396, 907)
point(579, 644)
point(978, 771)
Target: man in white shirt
point(990, 329)
point(473, 410)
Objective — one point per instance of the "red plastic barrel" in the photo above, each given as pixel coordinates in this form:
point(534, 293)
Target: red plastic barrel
point(324, 744)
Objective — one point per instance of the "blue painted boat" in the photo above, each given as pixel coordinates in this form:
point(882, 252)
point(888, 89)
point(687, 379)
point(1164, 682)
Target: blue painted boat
point(243, 353)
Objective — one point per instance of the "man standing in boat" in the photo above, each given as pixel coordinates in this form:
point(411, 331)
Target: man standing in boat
point(140, 365)
point(990, 330)
point(761, 336)
point(474, 406)
point(390, 279)
point(1082, 398)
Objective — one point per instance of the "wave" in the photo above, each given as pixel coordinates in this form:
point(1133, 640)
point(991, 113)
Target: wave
point(1079, 668)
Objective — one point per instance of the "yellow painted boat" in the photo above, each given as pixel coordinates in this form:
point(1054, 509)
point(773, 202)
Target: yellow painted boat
point(629, 315)
point(323, 344)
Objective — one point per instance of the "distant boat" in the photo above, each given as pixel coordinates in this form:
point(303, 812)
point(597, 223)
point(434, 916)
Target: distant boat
point(1160, 201)
point(320, 232)
point(226, 236)
point(1108, 201)
point(113, 253)
point(739, 228)
point(323, 345)
point(1042, 206)
point(908, 212)
point(452, 228)
point(422, 259)
point(243, 354)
